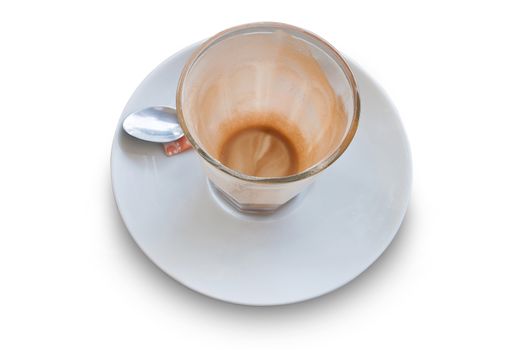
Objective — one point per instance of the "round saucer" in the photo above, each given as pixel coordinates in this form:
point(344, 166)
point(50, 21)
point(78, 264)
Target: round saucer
point(321, 241)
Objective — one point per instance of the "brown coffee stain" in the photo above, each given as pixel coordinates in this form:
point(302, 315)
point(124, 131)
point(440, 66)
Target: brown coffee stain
point(263, 146)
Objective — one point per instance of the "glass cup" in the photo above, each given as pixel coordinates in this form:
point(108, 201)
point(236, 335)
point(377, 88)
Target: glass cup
point(267, 75)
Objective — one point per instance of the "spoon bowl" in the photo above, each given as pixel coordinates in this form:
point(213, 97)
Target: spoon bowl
point(154, 124)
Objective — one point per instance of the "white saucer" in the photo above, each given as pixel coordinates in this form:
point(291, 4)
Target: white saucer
point(324, 239)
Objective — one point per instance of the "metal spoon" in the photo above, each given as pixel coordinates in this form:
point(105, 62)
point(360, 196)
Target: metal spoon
point(154, 124)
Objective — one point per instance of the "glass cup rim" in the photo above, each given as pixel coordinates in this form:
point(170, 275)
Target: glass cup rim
point(316, 168)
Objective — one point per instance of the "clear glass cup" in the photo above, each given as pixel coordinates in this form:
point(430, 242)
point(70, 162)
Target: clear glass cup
point(287, 78)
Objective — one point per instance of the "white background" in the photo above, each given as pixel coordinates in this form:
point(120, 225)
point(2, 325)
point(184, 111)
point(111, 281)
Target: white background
point(71, 276)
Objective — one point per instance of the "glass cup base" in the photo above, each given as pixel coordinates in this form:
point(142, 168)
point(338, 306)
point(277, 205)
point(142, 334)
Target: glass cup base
point(256, 212)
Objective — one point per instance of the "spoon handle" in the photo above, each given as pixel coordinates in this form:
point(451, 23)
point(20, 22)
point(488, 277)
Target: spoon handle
point(175, 147)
